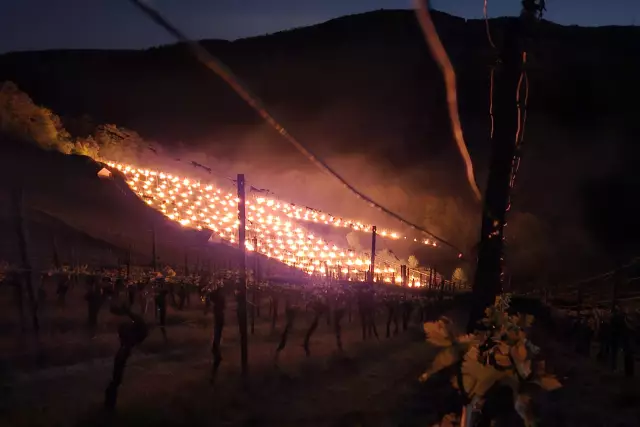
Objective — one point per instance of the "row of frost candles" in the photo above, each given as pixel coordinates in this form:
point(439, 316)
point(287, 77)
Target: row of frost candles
point(303, 213)
point(273, 225)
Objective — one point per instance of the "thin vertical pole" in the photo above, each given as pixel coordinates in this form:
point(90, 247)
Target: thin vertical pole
point(154, 253)
point(242, 285)
point(372, 267)
point(579, 302)
point(403, 277)
point(255, 308)
point(23, 245)
point(129, 262)
point(616, 284)
point(56, 254)
point(256, 257)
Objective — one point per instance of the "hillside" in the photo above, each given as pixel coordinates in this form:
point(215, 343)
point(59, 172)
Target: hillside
point(45, 233)
point(91, 219)
point(370, 61)
point(363, 92)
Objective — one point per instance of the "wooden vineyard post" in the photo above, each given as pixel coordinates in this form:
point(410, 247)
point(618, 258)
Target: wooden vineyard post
point(255, 301)
point(489, 272)
point(27, 273)
point(372, 267)
point(617, 278)
point(74, 268)
point(256, 258)
point(154, 254)
point(403, 274)
point(435, 278)
point(579, 304)
point(186, 262)
point(56, 254)
point(241, 294)
point(129, 263)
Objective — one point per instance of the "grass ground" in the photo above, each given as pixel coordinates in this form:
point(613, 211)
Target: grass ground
point(592, 395)
point(61, 381)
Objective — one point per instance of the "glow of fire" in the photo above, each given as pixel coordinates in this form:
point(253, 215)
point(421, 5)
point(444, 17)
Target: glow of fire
point(270, 222)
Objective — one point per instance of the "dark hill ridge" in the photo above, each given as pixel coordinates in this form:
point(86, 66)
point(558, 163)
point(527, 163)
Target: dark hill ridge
point(371, 63)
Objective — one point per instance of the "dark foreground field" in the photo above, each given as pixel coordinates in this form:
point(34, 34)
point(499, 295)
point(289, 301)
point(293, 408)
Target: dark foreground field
point(60, 381)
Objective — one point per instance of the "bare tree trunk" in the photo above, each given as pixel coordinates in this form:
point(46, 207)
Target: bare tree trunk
point(488, 278)
point(338, 314)
point(131, 333)
point(274, 313)
point(290, 315)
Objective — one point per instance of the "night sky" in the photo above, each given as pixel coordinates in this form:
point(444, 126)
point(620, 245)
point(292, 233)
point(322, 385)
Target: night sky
point(48, 24)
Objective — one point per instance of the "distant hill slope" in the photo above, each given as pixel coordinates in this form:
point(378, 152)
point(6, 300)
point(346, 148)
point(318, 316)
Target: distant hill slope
point(46, 232)
point(96, 220)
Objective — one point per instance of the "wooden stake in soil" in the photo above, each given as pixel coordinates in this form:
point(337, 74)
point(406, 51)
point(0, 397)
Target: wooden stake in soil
point(403, 275)
point(129, 262)
point(56, 254)
point(579, 302)
point(27, 274)
point(154, 254)
point(372, 267)
point(218, 298)
point(75, 264)
point(186, 262)
point(256, 290)
point(241, 293)
point(273, 311)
